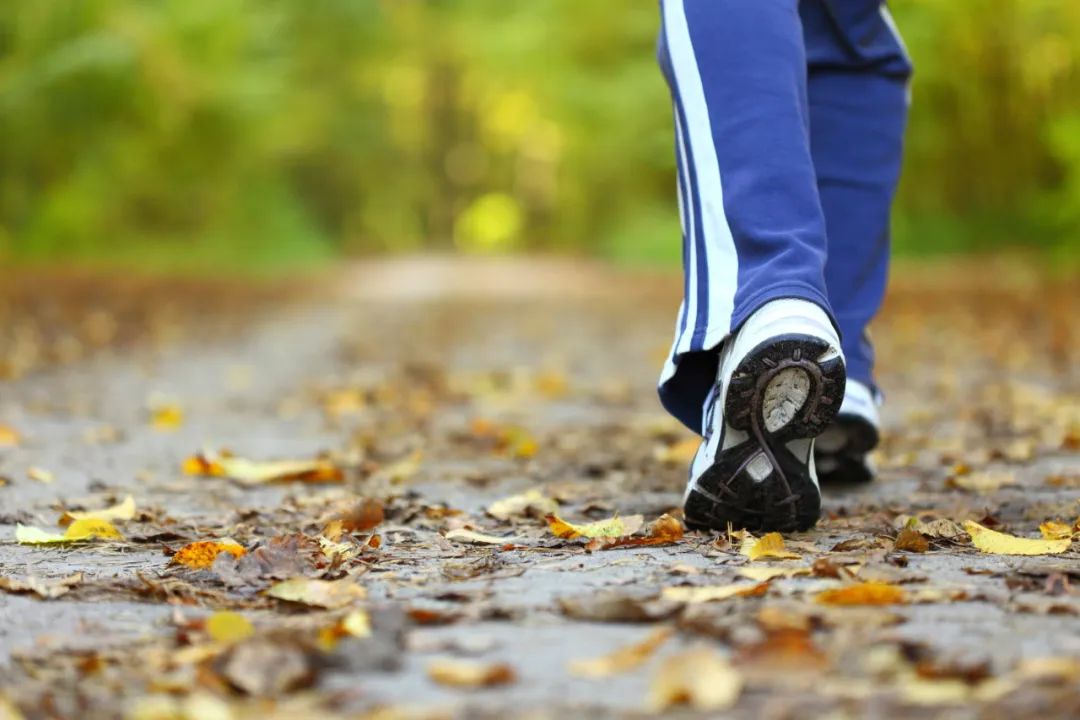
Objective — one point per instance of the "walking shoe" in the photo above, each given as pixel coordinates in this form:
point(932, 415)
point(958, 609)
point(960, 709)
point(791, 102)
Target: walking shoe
point(841, 453)
point(780, 384)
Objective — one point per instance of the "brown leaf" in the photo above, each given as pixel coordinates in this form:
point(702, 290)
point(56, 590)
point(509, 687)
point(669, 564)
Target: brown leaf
point(911, 541)
point(783, 650)
point(664, 531)
point(263, 668)
point(616, 606)
point(47, 588)
point(362, 517)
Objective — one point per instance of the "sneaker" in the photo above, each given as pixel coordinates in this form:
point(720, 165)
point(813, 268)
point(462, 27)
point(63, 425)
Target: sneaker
point(841, 453)
point(779, 385)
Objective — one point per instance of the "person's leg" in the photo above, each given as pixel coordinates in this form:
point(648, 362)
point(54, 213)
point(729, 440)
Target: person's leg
point(756, 366)
point(858, 93)
point(753, 226)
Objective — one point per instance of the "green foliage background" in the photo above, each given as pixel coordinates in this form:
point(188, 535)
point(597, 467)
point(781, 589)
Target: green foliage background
point(223, 133)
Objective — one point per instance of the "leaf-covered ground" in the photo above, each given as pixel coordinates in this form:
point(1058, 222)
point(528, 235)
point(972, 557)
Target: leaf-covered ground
point(478, 515)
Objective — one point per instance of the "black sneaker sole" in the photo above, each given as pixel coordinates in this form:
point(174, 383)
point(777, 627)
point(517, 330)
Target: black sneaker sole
point(849, 462)
point(786, 499)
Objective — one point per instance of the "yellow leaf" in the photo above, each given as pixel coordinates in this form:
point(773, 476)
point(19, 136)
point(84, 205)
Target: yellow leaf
point(997, 543)
point(982, 481)
point(532, 501)
point(759, 573)
point(40, 474)
point(86, 529)
point(471, 536)
point(622, 660)
point(201, 555)
point(123, 511)
point(255, 472)
point(710, 593)
point(768, 546)
point(355, 624)
point(867, 593)
point(699, 678)
point(680, 453)
point(226, 626)
point(166, 418)
point(9, 436)
point(470, 675)
point(318, 593)
point(612, 527)
point(8, 711)
point(1054, 530)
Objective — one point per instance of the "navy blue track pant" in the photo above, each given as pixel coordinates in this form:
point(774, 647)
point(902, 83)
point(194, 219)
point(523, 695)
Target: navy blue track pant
point(789, 122)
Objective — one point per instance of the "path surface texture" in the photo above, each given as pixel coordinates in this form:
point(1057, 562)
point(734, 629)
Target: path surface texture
point(446, 489)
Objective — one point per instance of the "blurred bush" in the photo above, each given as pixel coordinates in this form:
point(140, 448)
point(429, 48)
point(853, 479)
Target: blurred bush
point(199, 133)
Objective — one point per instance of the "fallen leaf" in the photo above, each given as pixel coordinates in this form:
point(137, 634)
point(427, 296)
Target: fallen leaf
point(355, 624)
point(123, 511)
point(767, 546)
point(267, 669)
point(318, 593)
point(623, 659)
point(614, 527)
point(529, 503)
point(618, 606)
point(87, 529)
point(665, 530)
point(362, 517)
point(982, 482)
point(9, 437)
point(711, 593)
point(760, 573)
point(47, 588)
point(1054, 530)
point(40, 474)
point(699, 678)
point(867, 593)
point(911, 541)
point(783, 650)
point(201, 555)
point(471, 536)
point(166, 417)
point(255, 472)
point(679, 453)
point(999, 543)
point(454, 673)
point(226, 626)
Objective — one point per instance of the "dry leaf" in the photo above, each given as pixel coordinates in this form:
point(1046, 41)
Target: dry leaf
point(783, 650)
point(201, 555)
point(529, 503)
point(1054, 530)
point(982, 482)
point(458, 674)
point(615, 527)
point(166, 418)
point(699, 678)
point(9, 437)
point(767, 546)
point(911, 541)
point(123, 511)
point(356, 624)
point(226, 626)
point(710, 593)
point(679, 453)
point(759, 573)
point(254, 472)
point(998, 543)
point(362, 517)
point(87, 529)
point(623, 659)
point(40, 474)
point(867, 593)
point(664, 531)
point(471, 536)
point(47, 588)
point(318, 593)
